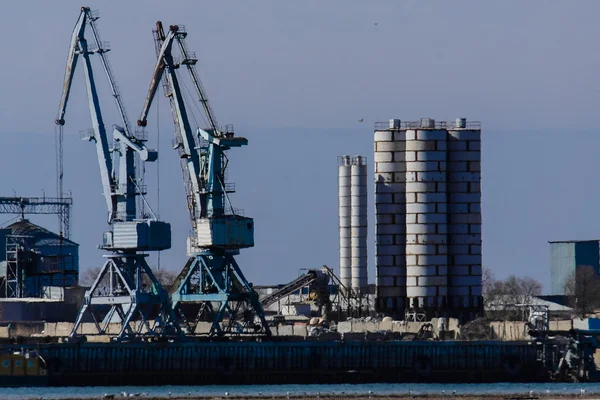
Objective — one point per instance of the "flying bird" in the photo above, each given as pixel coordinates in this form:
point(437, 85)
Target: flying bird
point(361, 120)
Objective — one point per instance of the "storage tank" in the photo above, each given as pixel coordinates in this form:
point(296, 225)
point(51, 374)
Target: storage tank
point(464, 214)
point(426, 217)
point(390, 217)
point(344, 218)
point(358, 223)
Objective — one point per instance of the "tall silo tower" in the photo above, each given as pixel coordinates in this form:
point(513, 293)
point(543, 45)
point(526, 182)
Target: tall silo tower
point(426, 217)
point(358, 224)
point(390, 217)
point(464, 213)
point(344, 220)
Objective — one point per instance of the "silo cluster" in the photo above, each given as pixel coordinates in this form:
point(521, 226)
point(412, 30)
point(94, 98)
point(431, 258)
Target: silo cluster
point(352, 214)
point(428, 217)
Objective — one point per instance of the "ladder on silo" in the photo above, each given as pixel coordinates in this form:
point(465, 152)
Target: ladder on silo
point(13, 284)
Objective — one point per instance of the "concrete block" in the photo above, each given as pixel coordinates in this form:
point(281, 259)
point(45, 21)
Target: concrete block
point(461, 187)
point(429, 260)
point(474, 166)
point(458, 249)
point(419, 249)
point(464, 176)
point(423, 166)
point(400, 135)
point(411, 238)
point(398, 156)
point(458, 229)
point(390, 250)
point(432, 134)
point(431, 176)
point(383, 198)
point(390, 167)
point(457, 270)
point(410, 134)
point(391, 229)
point(4, 332)
point(410, 219)
point(475, 249)
point(381, 260)
point(441, 145)
point(390, 208)
point(422, 291)
point(475, 228)
point(428, 238)
point(420, 187)
point(421, 228)
point(465, 218)
point(416, 145)
point(384, 239)
point(476, 270)
point(370, 327)
point(410, 156)
point(385, 281)
point(442, 228)
point(384, 177)
point(464, 156)
point(384, 218)
point(430, 197)
point(475, 187)
point(400, 238)
point(411, 280)
point(344, 326)
point(383, 136)
point(432, 218)
point(385, 325)
point(403, 198)
point(457, 166)
point(392, 271)
point(467, 259)
point(390, 146)
point(464, 134)
point(410, 176)
point(475, 208)
point(431, 156)
point(389, 187)
point(464, 198)
point(455, 145)
point(441, 186)
point(474, 145)
point(466, 239)
point(460, 208)
point(300, 330)
point(381, 156)
point(285, 330)
point(419, 208)
point(441, 208)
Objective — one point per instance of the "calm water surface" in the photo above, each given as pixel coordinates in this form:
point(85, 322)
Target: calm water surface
point(282, 390)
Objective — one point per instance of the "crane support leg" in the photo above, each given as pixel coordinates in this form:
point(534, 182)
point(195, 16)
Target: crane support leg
point(127, 293)
point(228, 299)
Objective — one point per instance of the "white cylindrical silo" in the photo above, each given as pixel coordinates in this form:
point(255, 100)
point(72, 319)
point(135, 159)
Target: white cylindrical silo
point(390, 213)
point(464, 214)
point(426, 217)
point(358, 223)
point(344, 218)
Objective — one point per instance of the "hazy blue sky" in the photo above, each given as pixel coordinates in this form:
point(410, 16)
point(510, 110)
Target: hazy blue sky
point(295, 78)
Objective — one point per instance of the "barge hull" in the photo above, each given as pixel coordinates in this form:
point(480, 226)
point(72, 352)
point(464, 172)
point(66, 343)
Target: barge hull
point(197, 363)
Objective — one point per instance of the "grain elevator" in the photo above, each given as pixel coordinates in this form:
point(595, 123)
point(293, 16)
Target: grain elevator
point(428, 218)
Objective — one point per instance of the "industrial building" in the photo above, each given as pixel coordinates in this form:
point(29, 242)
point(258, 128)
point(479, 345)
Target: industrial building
point(566, 257)
point(428, 218)
point(35, 262)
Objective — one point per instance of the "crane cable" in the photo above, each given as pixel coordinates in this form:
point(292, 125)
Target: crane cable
point(158, 171)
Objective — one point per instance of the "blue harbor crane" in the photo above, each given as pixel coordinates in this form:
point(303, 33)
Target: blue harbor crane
point(125, 291)
point(211, 277)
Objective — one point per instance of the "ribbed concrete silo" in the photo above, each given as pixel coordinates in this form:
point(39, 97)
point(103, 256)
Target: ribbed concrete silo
point(426, 217)
point(464, 213)
point(344, 218)
point(358, 224)
point(390, 217)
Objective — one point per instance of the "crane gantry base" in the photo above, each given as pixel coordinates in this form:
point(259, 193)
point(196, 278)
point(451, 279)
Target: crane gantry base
point(127, 293)
point(215, 281)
